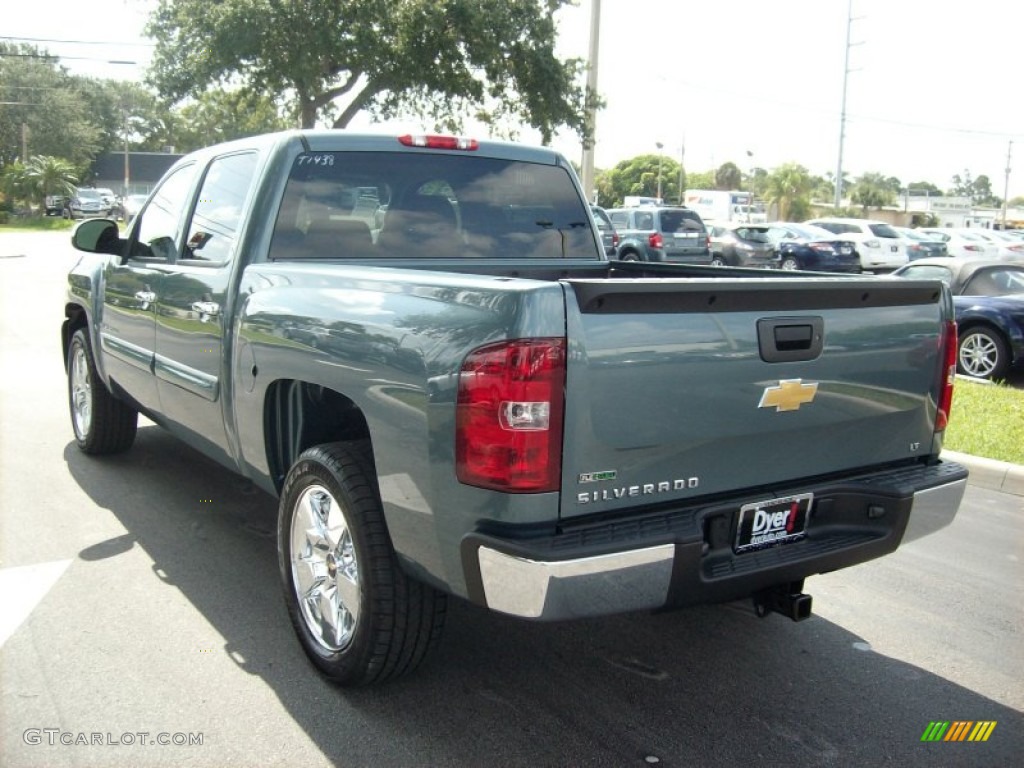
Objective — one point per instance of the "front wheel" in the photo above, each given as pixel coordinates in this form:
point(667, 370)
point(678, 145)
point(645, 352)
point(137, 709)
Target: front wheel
point(102, 423)
point(789, 264)
point(717, 260)
point(983, 354)
point(361, 620)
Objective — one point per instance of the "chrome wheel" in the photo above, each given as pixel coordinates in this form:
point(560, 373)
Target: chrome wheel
point(982, 354)
point(81, 392)
point(790, 264)
point(325, 573)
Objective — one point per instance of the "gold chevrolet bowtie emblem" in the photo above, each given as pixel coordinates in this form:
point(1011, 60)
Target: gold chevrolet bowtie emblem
point(789, 395)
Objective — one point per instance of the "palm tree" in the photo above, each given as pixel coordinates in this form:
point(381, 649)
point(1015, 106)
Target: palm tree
point(48, 175)
point(789, 189)
point(873, 190)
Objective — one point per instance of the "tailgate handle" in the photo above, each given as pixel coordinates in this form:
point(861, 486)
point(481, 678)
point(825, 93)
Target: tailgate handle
point(790, 339)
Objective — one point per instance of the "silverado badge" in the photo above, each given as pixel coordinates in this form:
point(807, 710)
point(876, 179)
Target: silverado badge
point(789, 395)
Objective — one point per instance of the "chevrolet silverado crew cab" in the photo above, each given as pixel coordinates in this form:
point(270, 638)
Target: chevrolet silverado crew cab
point(419, 345)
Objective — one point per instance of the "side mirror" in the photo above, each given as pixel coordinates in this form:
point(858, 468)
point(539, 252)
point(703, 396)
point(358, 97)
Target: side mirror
point(97, 236)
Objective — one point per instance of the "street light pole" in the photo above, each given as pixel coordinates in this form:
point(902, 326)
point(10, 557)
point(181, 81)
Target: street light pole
point(591, 104)
point(659, 145)
point(1006, 182)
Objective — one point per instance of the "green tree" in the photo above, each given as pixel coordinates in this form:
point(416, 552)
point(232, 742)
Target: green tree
point(923, 188)
point(218, 116)
point(979, 190)
point(48, 115)
point(15, 184)
point(493, 60)
point(823, 188)
point(728, 176)
point(788, 188)
point(874, 190)
point(639, 176)
point(700, 180)
point(46, 175)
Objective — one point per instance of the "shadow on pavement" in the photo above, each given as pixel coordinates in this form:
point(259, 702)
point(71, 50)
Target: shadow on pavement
point(708, 686)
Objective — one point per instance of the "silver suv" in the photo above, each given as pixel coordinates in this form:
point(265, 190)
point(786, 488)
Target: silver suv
point(879, 245)
point(661, 233)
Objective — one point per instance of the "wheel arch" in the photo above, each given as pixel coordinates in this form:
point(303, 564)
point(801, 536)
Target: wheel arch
point(75, 317)
point(298, 415)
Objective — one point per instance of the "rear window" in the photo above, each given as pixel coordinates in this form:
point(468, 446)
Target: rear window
point(430, 205)
point(753, 234)
point(681, 221)
point(928, 272)
point(883, 230)
point(997, 281)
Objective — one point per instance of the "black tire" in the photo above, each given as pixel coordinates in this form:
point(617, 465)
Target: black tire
point(789, 264)
point(629, 256)
point(717, 260)
point(102, 423)
point(396, 619)
point(982, 353)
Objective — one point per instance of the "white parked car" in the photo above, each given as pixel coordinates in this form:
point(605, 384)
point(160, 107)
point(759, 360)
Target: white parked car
point(881, 247)
point(1007, 247)
point(962, 242)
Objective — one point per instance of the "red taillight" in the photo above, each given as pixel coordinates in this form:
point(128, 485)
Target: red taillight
point(508, 421)
point(973, 248)
point(434, 141)
point(615, 239)
point(947, 347)
point(655, 240)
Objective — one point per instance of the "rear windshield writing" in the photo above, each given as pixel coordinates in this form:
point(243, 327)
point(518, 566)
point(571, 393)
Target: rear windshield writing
point(404, 205)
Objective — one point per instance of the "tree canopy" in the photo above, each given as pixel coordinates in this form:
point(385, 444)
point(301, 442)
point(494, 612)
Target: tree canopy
point(440, 60)
point(48, 112)
point(789, 188)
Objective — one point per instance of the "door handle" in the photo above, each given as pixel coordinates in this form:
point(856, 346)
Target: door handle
point(147, 297)
point(210, 308)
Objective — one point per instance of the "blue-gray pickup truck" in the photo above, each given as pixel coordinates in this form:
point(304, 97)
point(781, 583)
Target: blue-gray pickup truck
point(419, 345)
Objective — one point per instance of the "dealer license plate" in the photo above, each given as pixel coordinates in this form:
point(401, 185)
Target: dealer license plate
point(774, 521)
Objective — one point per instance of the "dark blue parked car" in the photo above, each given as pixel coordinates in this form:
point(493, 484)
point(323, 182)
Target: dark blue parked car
point(989, 300)
point(802, 246)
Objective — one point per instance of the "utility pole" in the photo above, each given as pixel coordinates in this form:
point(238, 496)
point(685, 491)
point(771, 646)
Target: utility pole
point(127, 175)
point(682, 157)
point(591, 103)
point(842, 115)
point(1006, 181)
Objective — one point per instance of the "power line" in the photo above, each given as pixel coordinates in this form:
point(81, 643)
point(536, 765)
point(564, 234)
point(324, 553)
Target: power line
point(54, 57)
point(75, 42)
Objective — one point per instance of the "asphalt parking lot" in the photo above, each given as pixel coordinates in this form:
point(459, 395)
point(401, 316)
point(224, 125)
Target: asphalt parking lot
point(140, 598)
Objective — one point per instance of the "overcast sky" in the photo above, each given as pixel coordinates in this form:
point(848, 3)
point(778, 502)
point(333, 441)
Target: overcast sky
point(932, 90)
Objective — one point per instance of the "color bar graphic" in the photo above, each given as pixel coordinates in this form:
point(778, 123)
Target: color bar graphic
point(958, 730)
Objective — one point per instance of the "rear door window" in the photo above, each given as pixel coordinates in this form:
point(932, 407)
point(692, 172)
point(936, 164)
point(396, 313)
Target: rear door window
point(405, 205)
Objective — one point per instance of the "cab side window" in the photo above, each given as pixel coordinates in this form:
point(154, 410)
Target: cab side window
point(158, 234)
point(214, 227)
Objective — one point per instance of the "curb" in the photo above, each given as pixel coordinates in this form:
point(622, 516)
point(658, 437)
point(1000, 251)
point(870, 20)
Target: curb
point(989, 473)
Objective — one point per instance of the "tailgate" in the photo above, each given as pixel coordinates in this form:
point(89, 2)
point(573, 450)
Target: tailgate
point(685, 388)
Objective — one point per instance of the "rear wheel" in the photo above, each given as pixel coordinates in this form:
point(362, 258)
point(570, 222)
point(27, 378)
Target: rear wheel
point(718, 260)
point(102, 423)
point(360, 618)
point(629, 256)
point(983, 354)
